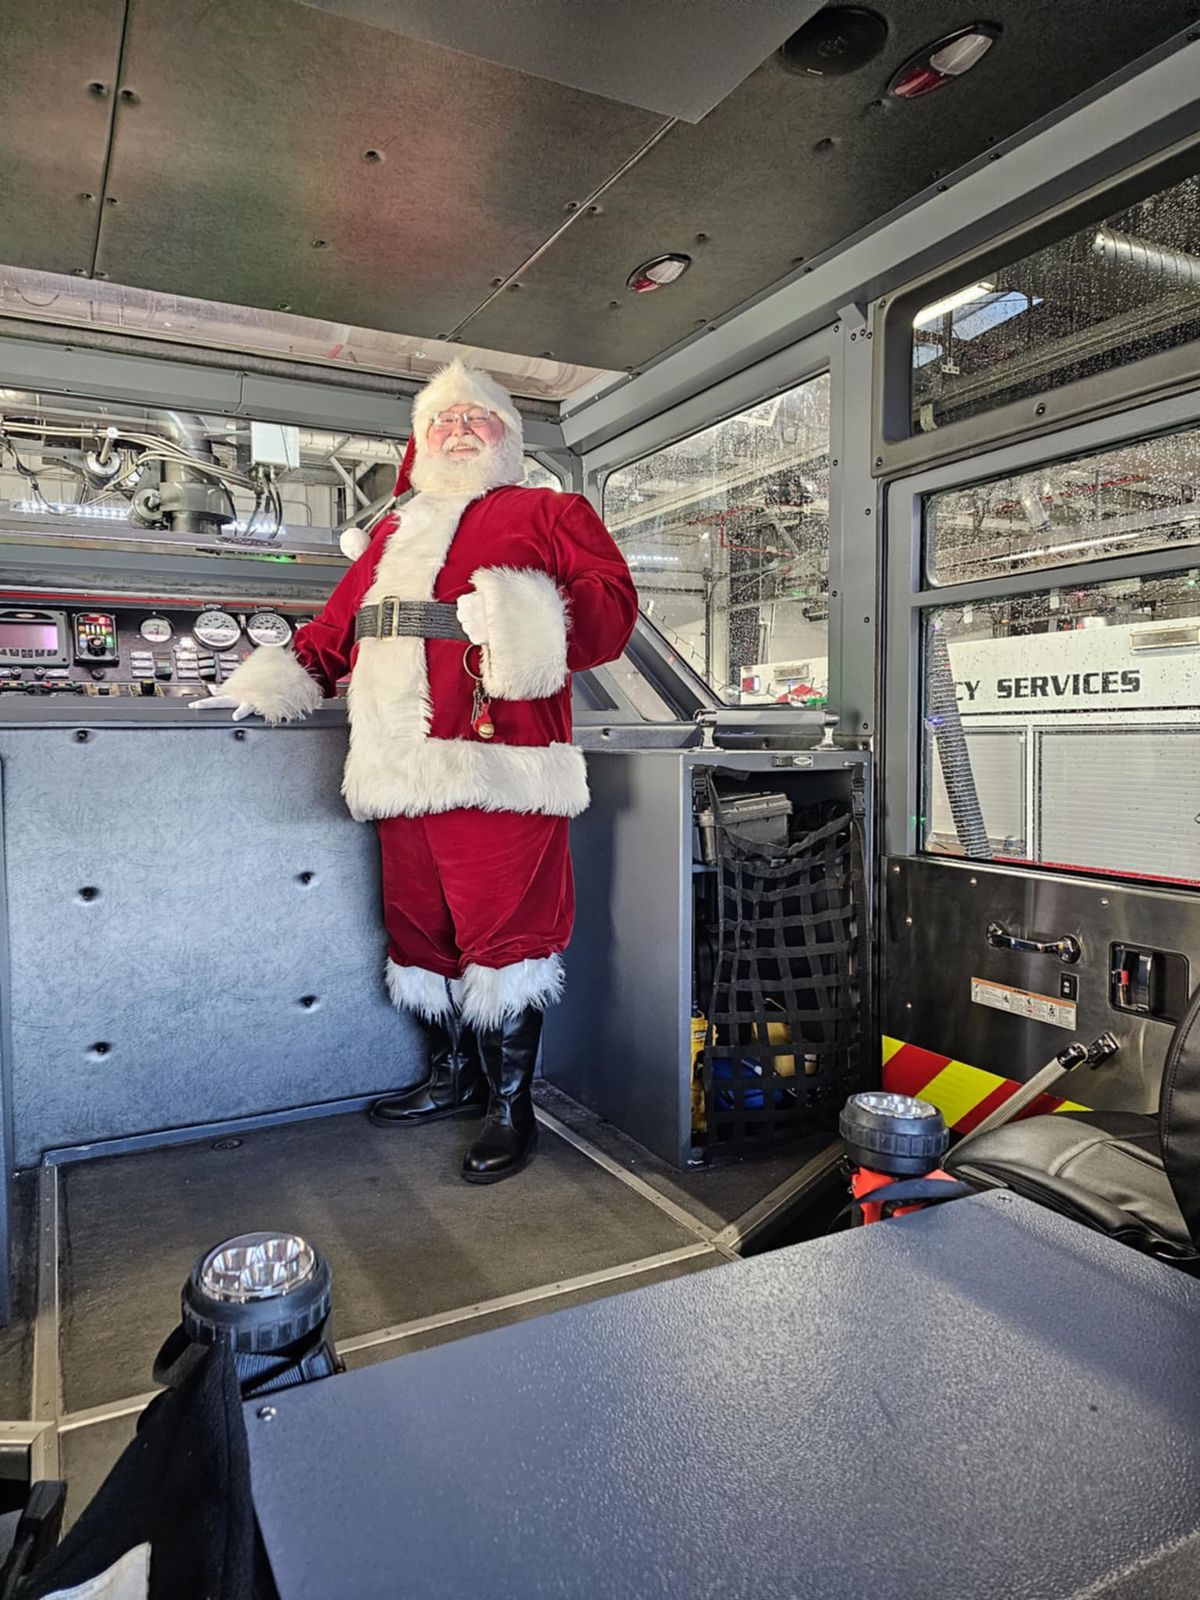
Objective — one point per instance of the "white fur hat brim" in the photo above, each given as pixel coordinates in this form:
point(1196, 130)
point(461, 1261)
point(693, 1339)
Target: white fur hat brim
point(460, 385)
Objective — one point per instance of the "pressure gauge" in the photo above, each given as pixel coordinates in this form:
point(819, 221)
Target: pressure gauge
point(268, 627)
point(217, 629)
point(156, 630)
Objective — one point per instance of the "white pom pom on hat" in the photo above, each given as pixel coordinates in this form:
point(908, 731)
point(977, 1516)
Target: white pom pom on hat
point(353, 542)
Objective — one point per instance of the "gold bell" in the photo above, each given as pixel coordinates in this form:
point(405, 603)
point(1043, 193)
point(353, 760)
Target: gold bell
point(486, 730)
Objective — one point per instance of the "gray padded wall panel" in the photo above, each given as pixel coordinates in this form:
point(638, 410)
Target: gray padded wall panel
point(192, 962)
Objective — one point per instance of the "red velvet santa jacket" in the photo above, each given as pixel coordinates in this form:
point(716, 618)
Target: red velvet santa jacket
point(558, 599)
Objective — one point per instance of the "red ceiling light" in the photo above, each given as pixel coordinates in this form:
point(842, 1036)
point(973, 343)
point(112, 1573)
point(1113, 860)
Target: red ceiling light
point(657, 273)
point(944, 61)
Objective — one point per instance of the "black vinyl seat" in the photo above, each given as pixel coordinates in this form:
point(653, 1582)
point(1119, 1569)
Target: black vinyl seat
point(1134, 1177)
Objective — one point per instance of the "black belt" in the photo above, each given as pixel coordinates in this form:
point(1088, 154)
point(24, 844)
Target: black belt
point(421, 619)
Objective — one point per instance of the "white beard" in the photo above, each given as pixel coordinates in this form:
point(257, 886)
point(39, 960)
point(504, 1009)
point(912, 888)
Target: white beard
point(469, 472)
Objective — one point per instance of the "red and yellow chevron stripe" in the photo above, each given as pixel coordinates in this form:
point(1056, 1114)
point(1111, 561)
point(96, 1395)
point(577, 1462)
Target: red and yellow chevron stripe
point(964, 1095)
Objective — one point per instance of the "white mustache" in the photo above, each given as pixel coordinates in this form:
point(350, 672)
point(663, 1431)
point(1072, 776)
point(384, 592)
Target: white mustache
point(462, 444)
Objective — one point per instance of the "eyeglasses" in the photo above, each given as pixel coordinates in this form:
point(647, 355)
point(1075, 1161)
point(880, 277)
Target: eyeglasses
point(447, 419)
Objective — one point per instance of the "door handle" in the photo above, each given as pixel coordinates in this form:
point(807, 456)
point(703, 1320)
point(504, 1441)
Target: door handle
point(1067, 948)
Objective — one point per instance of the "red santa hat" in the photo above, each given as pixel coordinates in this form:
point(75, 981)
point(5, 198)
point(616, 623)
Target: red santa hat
point(354, 541)
point(456, 384)
point(403, 481)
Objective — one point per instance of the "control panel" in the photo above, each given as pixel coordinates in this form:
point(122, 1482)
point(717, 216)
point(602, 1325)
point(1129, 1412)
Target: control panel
point(131, 648)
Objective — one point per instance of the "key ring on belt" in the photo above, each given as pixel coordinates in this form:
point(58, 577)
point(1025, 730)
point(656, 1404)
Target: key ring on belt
point(481, 705)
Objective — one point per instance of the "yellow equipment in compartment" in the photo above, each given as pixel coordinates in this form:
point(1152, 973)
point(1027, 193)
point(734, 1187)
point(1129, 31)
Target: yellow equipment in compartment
point(785, 1066)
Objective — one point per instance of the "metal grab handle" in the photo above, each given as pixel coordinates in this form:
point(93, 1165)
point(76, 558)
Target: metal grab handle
point(1067, 948)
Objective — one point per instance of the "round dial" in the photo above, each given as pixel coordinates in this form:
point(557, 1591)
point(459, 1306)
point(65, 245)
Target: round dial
point(157, 630)
point(268, 627)
point(217, 629)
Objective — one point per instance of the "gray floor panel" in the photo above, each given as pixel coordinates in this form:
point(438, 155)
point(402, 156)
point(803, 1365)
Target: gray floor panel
point(717, 1195)
point(88, 1455)
point(405, 1236)
point(373, 1354)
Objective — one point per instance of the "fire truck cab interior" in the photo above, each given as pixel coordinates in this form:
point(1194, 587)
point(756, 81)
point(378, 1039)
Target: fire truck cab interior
point(873, 335)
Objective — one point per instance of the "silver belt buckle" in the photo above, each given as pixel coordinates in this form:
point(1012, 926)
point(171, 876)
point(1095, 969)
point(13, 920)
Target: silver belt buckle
point(385, 622)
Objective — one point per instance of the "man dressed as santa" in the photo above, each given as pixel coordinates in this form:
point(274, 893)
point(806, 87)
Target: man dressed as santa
point(460, 625)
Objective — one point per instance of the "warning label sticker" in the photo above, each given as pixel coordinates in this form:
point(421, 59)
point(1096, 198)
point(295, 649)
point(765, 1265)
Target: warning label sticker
point(1021, 1003)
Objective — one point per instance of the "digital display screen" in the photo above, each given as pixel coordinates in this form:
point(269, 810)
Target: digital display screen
point(41, 636)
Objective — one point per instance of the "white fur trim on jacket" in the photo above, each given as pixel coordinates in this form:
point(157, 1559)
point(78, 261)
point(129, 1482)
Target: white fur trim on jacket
point(457, 384)
point(422, 992)
point(393, 767)
point(407, 780)
point(490, 994)
point(275, 684)
point(526, 655)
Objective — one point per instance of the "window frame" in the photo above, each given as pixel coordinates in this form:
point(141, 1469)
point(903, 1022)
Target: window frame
point(909, 597)
point(818, 355)
point(717, 694)
point(896, 448)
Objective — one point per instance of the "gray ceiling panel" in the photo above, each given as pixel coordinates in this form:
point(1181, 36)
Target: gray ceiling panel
point(617, 48)
point(244, 142)
point(240, 129)
point(788, 166)
point(54, 127)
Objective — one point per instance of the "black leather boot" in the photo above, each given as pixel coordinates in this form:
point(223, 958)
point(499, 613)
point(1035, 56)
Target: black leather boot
point(455, 1086)
point(507, 1140)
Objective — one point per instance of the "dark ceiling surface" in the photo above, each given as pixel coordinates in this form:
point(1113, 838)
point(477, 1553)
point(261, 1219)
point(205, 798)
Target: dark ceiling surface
point(269, 153)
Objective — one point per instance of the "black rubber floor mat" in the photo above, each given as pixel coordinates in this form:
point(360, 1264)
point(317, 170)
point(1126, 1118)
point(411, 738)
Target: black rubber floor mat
point(405, 1236)
point(16, 1340)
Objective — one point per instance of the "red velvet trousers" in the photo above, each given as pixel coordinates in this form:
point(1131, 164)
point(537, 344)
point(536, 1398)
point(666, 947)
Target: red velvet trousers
point(483, 888)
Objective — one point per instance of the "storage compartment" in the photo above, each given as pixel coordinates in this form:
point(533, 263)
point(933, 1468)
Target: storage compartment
point(718, 1008)
point(777, 1012)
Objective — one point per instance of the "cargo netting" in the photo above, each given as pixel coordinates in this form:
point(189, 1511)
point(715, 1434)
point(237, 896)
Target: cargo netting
point(786, 1014)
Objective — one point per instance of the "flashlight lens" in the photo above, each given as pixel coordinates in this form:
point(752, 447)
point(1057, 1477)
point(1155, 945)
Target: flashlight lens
point(895, 1105)
point(257, 1266)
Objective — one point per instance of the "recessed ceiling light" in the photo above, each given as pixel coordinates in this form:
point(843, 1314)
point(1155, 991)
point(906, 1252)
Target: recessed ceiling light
point(657, 273)
point(943, 61)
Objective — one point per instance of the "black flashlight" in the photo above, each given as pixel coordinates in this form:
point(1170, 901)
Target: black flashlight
point(269, 1297)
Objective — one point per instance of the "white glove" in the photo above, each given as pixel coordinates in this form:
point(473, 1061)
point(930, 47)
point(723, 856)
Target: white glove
point(472, 617)
point(223, 702)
